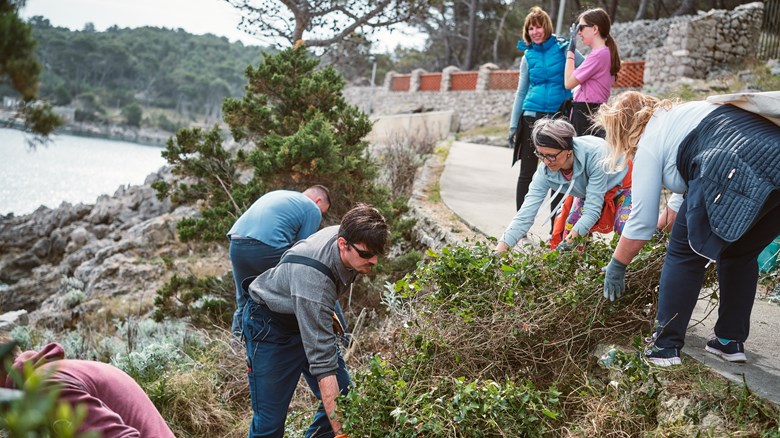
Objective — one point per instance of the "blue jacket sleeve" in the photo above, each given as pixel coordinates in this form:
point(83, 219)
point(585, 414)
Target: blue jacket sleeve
point(524, 217)
point(522, 90)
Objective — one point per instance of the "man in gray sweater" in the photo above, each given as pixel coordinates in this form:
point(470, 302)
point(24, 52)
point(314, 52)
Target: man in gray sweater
point(288, 322)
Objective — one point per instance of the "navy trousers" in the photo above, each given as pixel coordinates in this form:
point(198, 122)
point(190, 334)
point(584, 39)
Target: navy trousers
point(275, 362)
point(683, 274)
point(249, 258)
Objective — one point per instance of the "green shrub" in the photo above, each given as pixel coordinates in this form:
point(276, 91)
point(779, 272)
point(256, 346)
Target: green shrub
point(406, 401)
point(205, 300)
point(476, 333)
point(299, 130)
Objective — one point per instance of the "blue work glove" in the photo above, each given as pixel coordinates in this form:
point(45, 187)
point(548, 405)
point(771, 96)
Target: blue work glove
point(614, 279)
point(566, 246)
point(511, 139)
point(575, 27)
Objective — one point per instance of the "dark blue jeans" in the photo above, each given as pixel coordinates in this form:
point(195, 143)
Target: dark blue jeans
point(249, 258)
point(275, 362)
point(683, 274)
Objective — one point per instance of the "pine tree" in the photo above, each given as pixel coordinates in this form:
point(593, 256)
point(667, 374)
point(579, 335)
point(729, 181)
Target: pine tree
point(301, 131)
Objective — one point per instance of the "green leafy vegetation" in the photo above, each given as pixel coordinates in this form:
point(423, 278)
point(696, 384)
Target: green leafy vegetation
point(38, 413)
point(203, 300)
point(502, 345)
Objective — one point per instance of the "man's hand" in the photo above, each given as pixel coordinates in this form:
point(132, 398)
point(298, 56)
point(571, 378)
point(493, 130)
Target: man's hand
point(575, 27)
point(614, 279)
point(511, 139)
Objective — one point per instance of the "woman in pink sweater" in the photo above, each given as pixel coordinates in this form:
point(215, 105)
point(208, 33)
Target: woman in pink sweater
point(592, 81)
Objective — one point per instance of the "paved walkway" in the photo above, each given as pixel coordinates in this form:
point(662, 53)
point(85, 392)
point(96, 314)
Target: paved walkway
point(478, 184)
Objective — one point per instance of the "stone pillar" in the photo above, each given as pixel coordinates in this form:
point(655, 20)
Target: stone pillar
point(414, 81)
point(387, 85)
point(446, 78)
point(483, 78)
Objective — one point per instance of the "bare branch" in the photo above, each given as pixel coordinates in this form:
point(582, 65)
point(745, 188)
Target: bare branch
point(321, 23)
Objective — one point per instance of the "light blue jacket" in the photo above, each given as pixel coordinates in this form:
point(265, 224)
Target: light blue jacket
point(589, 181)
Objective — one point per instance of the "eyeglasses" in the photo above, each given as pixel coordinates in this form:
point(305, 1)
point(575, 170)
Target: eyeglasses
point(545, 157)
point(362, 253)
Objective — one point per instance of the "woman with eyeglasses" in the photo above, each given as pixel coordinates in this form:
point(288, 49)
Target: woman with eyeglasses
point(572, 166)
point(540, 91)
point(727, 162)
point(592, 80)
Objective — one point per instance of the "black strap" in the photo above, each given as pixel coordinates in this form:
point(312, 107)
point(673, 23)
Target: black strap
point(308, 261)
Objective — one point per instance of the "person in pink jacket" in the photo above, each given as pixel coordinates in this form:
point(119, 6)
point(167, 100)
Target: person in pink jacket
point(116, 405)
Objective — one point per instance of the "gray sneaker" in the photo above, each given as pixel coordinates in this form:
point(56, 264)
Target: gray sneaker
point(731, 351)
point(662, 357)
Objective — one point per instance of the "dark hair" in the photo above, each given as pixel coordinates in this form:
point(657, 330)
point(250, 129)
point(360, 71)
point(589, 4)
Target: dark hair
point(537, 17)
point(600, 18)
point(365, 224)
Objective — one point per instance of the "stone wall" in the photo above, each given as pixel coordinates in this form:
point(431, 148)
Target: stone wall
point(635, 38)
point(472, 108)
point(710, 40)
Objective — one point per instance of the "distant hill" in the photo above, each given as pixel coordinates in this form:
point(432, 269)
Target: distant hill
point(102, 73)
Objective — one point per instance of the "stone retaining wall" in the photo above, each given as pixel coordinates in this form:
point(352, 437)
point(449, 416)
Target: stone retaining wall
point(714, 39)
point(472, 108)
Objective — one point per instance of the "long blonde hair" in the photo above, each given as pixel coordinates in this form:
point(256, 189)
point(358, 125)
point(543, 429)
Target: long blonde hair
point(624, 119)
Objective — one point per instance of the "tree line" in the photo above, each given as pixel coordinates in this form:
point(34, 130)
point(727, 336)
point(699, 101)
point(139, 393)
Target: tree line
point(125, 69)
point(461, 33)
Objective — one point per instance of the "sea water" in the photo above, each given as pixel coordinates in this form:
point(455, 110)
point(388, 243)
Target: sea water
point(68, 169)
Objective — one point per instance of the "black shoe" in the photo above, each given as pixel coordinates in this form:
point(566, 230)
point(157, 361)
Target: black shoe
point(731, 351)
point(662, 357)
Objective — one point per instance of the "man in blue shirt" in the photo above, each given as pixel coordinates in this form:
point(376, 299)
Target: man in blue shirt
point(267, 229)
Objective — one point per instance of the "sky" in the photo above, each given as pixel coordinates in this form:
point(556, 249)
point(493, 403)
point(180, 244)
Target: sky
point(194, 16)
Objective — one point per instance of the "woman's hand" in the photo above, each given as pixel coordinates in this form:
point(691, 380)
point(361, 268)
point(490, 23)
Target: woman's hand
point(501, 247)
point(575, 27)
point(614, 279)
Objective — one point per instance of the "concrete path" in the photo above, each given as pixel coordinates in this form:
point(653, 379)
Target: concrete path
point(479, 185)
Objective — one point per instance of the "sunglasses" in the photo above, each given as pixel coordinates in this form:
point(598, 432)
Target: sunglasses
point(545, 157)
point(361, 252)
point(583, 26)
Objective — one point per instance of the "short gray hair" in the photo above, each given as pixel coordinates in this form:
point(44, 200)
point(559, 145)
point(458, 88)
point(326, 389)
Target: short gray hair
point(553, 133)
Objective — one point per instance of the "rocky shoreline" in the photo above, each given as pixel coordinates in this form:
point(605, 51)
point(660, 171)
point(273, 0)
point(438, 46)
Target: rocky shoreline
point(144, 136)
point(58, 264)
